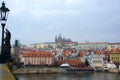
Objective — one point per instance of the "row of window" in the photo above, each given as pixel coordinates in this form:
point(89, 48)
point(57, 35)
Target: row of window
point(115, 58)
point(38, 61)
point(97, 62)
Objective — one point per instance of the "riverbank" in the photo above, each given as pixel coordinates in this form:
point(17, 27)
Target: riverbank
point(38, 70)
point(32, 70)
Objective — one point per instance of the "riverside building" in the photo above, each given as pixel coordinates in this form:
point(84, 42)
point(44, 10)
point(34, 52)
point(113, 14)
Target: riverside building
point(38, 58)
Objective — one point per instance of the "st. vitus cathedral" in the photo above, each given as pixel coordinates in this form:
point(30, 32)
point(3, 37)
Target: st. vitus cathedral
point(62, 39)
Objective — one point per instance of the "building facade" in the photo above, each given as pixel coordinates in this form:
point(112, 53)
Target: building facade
point(43, 45)
point(95, 45)
point(113, 46)
point(95, 59)
point(38, 58)
point(115, 55)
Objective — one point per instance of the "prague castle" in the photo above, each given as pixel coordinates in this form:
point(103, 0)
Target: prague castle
point(62, 39)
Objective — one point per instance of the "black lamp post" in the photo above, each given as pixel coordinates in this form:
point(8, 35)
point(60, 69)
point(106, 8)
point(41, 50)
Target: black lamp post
point(3, 18)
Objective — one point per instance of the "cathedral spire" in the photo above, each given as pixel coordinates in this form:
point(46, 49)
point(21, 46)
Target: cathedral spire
point(59, 38)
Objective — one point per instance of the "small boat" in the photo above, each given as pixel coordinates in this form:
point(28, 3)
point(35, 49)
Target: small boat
point(80, 70)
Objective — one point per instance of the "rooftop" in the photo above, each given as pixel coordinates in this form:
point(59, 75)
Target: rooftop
point(38, 54)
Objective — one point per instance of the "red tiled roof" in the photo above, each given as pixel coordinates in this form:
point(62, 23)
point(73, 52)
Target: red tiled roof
point(38, 54)
point(71, 62)
point(66, 53)
point(107, 52)
point(83, 53)
point(99, 52)
point(95, 43)
point(116, 50)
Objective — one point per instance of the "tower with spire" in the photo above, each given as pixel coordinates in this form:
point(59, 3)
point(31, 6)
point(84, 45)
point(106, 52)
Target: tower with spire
point(61, 39)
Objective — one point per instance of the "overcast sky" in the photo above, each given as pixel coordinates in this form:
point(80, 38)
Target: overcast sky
point(37, 21)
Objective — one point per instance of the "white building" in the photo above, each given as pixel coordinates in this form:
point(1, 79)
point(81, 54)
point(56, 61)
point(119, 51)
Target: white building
point(110, 65)
point(95, 60)
point(43, 45)
point(93, 45)
point(113, 46)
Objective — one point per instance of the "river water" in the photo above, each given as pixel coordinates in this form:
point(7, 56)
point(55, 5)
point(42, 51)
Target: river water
point(93, 76)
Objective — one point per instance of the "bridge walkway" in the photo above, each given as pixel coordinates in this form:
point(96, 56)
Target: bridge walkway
point(5, 73)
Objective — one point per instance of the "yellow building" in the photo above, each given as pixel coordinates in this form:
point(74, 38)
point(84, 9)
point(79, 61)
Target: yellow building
point(115, 55)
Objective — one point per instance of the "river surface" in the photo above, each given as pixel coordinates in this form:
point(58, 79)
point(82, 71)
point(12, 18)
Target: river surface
point(93, 76)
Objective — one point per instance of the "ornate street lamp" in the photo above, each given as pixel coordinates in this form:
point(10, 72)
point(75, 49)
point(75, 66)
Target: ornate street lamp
point(3, 18)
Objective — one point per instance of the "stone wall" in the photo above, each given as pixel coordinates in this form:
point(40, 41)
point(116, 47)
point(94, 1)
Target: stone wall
point(38, 70)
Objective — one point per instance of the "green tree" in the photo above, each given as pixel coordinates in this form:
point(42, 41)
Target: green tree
point(86, 62)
